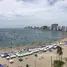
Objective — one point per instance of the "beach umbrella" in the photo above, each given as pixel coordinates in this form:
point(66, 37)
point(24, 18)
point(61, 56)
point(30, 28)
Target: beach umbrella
point(2, 55)
point(11, 61)
point(20, 59)
point(8, 57)
point(1, 65)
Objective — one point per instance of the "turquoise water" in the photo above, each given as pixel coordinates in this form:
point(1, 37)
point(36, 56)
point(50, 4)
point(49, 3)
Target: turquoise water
point(9, 37)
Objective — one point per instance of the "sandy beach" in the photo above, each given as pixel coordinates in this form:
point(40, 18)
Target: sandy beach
point(42, 60)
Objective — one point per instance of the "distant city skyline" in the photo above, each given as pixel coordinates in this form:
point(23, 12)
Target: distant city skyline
point(21, 13)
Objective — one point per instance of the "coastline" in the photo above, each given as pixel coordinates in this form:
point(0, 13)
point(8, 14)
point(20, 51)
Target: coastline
point(42, 59)
point(19, 47)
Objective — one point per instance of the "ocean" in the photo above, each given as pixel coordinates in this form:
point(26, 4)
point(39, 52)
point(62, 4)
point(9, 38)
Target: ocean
point(20, 36)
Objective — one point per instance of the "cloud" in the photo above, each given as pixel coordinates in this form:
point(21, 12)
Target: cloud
point(31, 12)
point(26, 7)
point(1, 0)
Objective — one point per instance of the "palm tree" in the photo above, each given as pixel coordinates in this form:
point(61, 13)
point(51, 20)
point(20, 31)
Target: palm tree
point(65, 61)
point(58, 63)
point(27, 65)
point(59, 52)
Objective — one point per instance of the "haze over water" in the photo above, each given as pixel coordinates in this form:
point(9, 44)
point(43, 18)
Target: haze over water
point(19, 36)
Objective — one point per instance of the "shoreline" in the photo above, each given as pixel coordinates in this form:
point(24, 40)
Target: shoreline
point(19, 47)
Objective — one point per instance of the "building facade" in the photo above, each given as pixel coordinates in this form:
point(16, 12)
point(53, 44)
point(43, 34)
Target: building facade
point(54, 27)
point(64, 28)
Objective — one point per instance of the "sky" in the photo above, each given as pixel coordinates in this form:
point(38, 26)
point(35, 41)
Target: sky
point(21, 13)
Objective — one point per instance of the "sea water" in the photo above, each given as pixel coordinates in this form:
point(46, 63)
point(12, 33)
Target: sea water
point(20, 36)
